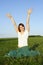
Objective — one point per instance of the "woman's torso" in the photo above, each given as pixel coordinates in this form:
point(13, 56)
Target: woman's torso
point(22, 39)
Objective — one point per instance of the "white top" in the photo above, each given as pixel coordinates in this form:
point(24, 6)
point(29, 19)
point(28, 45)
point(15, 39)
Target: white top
point(22, 39)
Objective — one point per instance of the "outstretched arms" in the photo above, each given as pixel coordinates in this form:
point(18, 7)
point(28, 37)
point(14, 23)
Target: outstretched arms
point(28, 19)
point(13, 21)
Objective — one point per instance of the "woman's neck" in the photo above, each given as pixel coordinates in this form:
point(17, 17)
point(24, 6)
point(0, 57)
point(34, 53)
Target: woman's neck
point(22, 32)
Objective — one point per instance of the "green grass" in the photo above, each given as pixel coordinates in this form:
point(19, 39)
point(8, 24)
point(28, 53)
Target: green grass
point(7, 44)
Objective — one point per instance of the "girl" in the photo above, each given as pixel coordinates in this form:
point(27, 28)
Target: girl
point(22, 31)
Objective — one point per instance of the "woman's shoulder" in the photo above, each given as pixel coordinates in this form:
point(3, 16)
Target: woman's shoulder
point(26, 31)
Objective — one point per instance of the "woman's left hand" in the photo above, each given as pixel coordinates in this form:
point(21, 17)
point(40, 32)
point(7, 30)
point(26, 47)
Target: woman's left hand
point(30, 11)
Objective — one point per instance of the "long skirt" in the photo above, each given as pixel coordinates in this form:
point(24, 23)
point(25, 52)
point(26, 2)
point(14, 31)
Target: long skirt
point(22, 52)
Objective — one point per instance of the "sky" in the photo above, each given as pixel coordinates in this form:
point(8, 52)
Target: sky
point(18, 9)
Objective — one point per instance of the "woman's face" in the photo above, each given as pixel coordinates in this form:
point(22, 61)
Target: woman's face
point(21, 28)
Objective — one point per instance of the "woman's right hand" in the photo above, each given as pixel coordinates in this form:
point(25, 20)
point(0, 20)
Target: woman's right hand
point(9, 15)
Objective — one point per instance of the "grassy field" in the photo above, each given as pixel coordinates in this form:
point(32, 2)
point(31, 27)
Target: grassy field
point(8, 44)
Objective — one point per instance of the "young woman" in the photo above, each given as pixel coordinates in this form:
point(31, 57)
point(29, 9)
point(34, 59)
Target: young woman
point(22, 31)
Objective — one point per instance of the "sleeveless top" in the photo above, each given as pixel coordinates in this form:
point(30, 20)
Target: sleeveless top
point(22, 39)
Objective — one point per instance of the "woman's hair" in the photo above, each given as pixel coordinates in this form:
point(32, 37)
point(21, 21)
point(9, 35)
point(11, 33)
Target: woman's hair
point(19, 27)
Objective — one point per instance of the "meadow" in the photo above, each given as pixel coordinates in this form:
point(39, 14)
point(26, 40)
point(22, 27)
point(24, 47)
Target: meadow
point(8, 44)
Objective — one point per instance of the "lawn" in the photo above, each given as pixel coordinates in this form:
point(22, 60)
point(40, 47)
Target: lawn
point(8, 44)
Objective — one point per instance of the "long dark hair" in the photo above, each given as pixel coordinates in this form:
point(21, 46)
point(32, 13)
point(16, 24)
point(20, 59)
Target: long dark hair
point(19, 27)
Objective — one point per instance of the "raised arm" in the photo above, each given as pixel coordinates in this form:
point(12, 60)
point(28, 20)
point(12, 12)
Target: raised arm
point(28, 19)
point(13, 21)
